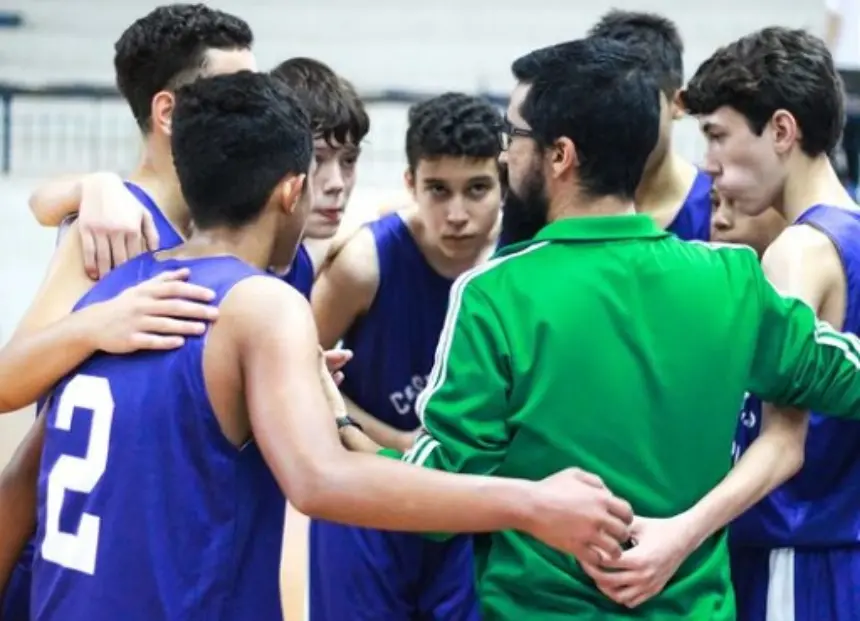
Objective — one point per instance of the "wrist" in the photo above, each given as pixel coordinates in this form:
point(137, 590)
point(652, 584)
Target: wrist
point(86, 326)
point(522, 504)
point(694, 526)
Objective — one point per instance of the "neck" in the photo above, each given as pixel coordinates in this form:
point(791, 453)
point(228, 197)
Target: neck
point(591, 207)
point(249, 244)
point(156, 174)
point(811, 181)
point(669, 178)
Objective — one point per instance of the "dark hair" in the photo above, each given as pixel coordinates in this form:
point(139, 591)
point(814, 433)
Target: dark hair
point(234, 138)
point(595, 92)
point(660, 45)
point(769, 70)
point(167, 48)
point(453, 125)
point(337, 112)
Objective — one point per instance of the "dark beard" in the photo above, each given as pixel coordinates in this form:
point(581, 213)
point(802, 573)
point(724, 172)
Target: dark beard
point(523, 216)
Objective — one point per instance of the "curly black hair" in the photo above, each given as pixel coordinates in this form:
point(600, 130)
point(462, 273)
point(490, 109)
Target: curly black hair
point(234, 138)
point(167, 48)
point(453, 124)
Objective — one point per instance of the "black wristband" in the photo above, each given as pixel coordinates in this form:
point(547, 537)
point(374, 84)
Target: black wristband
point(347, 421)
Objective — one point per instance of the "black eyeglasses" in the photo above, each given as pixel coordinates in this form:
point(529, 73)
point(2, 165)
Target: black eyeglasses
point(509, 131)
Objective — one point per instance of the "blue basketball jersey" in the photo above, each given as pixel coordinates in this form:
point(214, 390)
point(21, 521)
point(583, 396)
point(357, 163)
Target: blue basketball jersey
point(146, 511)
point(819, 506)
point(693, 221)
point(395, 341)
point(168, 237)
point(17, 594)
point(391, 575)
point(302, 273)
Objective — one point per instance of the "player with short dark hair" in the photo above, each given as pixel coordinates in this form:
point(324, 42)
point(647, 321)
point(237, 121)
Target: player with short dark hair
point(672, 191)
point(730, 225)
point(157, 50)
point(174, 45)
point(196, 442)
point(771, 106)
point(340, 123)
point(385, 294)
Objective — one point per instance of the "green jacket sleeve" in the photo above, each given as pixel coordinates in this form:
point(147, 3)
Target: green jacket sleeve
point(803, 362)
point(464, 409)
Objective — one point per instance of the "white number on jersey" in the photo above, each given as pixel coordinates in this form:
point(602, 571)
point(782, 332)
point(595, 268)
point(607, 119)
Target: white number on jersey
point(78, 551)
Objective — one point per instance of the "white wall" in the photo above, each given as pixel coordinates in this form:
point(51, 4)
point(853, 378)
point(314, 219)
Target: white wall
point(444, 44)
point(379, 44)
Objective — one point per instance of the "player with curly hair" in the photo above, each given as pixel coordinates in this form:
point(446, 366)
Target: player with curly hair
point(385, 293)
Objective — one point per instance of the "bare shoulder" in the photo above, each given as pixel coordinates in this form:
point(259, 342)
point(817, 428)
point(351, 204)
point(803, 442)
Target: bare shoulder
point(355, 262)
point(263, 303)
point(802, 249)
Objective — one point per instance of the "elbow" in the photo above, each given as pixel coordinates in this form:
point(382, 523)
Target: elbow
point(9, 404)
point(40, 210)
point(315, 489)
point(795, 456)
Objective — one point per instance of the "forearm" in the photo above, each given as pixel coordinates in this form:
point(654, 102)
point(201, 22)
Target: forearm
point(774, 457)
point(379, 432)
point(354, 439)
point(56, 199)
point(357, 487)
point(31, 364)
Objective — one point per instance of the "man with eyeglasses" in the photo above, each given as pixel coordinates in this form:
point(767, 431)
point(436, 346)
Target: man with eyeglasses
point(672, 190)
point(595, 345)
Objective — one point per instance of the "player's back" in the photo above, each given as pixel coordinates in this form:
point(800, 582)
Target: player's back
point(394, 341)
point(146, 510)
point(818, 507)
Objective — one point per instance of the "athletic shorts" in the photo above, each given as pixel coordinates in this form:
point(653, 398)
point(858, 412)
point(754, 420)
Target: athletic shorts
point(358, 574)
point(797, 584)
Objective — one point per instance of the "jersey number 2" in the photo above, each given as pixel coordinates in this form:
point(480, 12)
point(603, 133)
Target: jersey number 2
point(78, 551)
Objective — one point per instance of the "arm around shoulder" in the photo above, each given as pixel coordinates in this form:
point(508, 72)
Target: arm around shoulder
point(48, 343)
point(293, 423)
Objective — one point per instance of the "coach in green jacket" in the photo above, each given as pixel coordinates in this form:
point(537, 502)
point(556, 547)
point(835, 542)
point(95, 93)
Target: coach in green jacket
point(607, 344)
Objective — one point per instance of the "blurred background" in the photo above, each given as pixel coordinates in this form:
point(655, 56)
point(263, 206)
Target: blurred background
point(59, 112)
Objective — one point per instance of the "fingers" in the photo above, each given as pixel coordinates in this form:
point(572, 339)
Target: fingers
point(337, 358)
point(156, 342)
point(134, 244)
point(150, 233)
point(183, 309)
point(588, 478)
point(88, 243)
point(155, 326)
point(103, 256)
point(337, 376)
point(622, 510)
point(607, 546)
point(181, 274)
point(181, 290)
point(117, 248)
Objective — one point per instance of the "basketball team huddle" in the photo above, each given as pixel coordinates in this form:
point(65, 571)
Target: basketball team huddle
point(515, 397)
